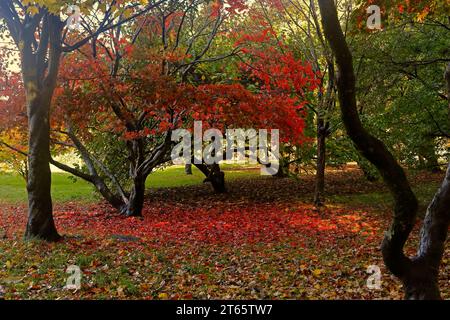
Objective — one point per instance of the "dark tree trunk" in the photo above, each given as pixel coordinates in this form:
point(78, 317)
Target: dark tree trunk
point(319, 192)
point(188, 169)
point(136, 198)
point(39, 85)
point(283, 169)
point(214, 175)
point(40, 213)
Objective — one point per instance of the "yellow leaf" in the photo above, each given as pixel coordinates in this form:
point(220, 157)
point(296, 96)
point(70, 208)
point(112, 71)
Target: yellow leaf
point(8, 264)
point(85, 11)
point(317, 272)
point(127, 13)
point(33, 10)
point(102, 7)
point(163, 295)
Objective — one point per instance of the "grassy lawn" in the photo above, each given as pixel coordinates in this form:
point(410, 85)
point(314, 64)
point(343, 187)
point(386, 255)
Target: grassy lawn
point(13, 189)
point(175, 176)
point(65, 188)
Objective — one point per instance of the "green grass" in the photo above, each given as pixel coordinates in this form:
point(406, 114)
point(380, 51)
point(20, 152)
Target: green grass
point(175, 176)
point(13, 189)
point(64, 188)
point(424, 193)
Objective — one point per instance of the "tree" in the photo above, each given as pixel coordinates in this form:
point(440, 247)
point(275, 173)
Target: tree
point(273, 64)
point(39, 33)
point(297, 24)
point(313, 46)
point(140, 78)
point(135, 97)
point(419, 275)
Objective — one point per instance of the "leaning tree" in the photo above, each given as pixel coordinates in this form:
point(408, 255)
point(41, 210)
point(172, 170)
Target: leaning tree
point(419, 274)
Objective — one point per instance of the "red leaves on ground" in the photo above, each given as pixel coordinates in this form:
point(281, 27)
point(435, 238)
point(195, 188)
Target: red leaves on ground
point(259, 241)
point(239, 225)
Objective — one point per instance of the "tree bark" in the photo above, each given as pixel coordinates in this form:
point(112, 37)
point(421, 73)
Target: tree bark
point(40, 212)
point(39, 86)
point(421, 282)
point(136, 198)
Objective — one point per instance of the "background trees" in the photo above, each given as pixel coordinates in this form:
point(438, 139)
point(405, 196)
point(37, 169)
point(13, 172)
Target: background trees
point(400, 89)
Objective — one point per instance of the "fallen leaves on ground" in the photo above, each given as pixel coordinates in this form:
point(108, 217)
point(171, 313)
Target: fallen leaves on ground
point(260, 241)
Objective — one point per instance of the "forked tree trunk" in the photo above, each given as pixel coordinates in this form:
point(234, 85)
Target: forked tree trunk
point(418, 275)
point(136, 198)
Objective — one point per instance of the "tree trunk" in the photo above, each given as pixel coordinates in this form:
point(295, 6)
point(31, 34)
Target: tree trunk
point(39, 76)
point(319, 192)
point(188, 169)
point(214, 175)
point(421, 282)
point(40, 213)
point(136, 198)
